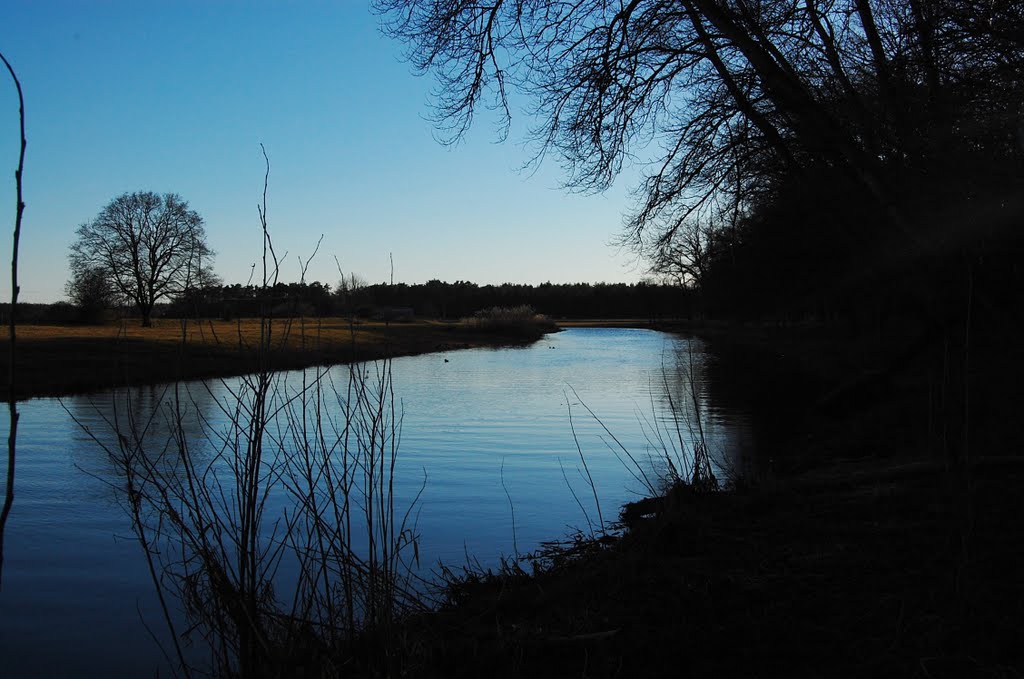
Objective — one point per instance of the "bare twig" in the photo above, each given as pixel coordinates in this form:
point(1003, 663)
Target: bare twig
point(12, 402)
point(583, 460)
point(512, 509)
point(211, 527)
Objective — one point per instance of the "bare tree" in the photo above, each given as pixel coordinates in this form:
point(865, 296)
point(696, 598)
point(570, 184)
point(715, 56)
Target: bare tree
point(148, 246)
point(685, 255)
point(91, 291)
point(722, 100)
point(347, 290)
point(350, 284)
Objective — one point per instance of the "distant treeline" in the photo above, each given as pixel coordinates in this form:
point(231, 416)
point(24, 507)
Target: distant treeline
point(434, 299)
point(438, 299)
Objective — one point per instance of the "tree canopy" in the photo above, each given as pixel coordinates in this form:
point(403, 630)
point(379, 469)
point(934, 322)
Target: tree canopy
point(863, 130)
point(146, 246)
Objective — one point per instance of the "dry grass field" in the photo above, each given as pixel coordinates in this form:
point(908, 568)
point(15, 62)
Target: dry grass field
point(56, 360)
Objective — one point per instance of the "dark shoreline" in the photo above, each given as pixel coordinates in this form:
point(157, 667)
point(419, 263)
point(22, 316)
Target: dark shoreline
point(843, 575)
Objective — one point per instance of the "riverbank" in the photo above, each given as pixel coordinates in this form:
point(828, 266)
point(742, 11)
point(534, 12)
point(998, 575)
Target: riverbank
point(852, 549)
point(863, 571)
point(58, 360)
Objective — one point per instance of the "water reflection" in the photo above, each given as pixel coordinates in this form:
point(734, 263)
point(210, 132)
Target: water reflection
point(146, 419)
point(691, 414)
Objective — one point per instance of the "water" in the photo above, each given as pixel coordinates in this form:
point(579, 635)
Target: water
point(489, 430)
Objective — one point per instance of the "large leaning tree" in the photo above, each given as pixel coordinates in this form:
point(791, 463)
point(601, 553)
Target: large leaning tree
point(883, 121)
point(147, 247)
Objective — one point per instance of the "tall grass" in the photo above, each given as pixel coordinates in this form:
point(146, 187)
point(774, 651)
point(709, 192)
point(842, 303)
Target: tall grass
point(681, 439)
point(677, 457)
point(276, 532)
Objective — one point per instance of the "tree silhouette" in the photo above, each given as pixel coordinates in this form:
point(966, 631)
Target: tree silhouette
point(91, 291)
point(147, 246)
point(883, 116)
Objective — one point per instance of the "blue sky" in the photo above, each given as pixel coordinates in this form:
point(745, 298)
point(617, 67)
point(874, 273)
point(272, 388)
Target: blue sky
point(177, 96)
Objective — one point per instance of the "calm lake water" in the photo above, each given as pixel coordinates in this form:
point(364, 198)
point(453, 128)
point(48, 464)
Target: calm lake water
point(483, 426)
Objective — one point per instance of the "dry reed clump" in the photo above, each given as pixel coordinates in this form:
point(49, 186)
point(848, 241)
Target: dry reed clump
point(514, 319)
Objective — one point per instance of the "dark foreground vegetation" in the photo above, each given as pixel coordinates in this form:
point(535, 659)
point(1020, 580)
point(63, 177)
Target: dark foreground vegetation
point(844, 549)
point(856, 572)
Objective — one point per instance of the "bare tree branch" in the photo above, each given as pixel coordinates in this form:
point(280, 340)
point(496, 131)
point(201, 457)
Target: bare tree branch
point(12, 402)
